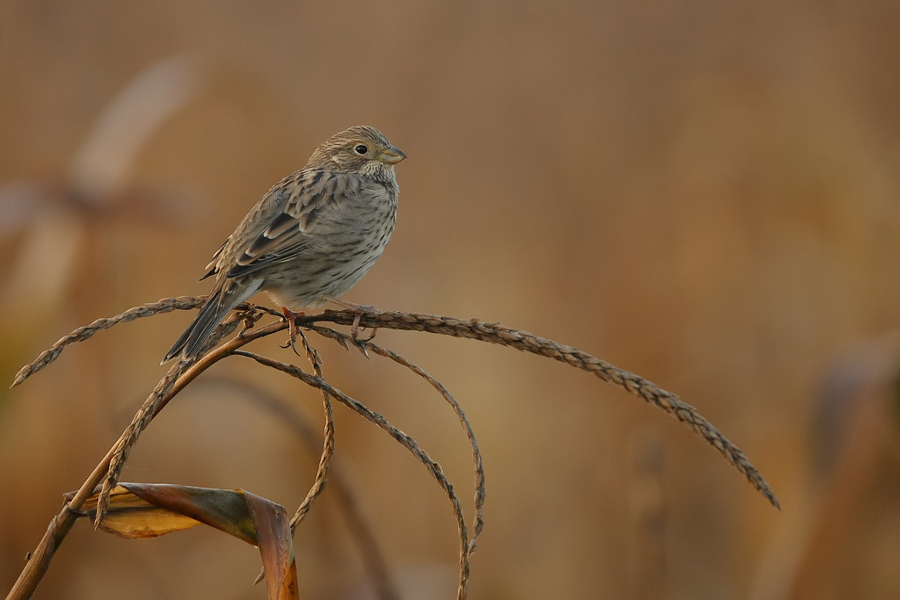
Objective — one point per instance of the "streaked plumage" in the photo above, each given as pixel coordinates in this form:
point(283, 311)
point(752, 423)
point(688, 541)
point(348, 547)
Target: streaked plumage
point(313, 235)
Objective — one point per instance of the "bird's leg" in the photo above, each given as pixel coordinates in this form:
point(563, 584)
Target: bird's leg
point(293, 329)
point(359, 310)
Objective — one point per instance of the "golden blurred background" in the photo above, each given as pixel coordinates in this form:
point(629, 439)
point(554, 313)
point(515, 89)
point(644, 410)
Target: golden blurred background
point(703, 193)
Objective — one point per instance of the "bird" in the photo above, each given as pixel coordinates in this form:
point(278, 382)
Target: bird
point(311, 238)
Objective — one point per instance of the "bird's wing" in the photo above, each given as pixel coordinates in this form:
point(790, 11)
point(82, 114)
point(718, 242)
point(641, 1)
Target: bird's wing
point(296, 206)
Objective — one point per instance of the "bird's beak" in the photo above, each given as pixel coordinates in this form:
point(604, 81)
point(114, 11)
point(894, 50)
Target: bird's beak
point(391, 155)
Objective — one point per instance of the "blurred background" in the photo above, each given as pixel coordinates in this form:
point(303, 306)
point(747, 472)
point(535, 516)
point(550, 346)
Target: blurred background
point(703, 193)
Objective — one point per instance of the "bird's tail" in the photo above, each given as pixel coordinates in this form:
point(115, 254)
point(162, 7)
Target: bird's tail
point(221, 300)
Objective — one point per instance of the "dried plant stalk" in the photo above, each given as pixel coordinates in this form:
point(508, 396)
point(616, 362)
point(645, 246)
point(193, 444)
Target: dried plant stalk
point(83, 333)
point(328, 447)
point(405, 440)
point(184, 372)
point(474, 329)
point(338, 484)
point(318, 485)
point(364, 346)
point(527, 342)
point(61, 524)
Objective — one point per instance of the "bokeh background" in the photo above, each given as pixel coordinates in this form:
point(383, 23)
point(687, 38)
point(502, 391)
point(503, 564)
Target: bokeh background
point(704, 193)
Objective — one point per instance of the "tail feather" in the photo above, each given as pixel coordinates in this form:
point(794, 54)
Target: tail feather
point(219, 303)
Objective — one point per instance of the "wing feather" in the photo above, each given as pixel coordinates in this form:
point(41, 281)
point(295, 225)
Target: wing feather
point(213, 267)
point(304, 199)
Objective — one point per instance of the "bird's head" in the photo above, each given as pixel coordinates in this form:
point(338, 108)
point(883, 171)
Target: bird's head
point(360, 149)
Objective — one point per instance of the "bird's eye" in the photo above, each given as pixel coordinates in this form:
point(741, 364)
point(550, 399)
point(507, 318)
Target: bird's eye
point(361, 149)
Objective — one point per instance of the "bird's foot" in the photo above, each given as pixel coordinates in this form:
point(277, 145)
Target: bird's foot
point(293, 329)
point(359, 310)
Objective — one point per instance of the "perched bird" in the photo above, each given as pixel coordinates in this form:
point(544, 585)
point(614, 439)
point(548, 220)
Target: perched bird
point(311, 238)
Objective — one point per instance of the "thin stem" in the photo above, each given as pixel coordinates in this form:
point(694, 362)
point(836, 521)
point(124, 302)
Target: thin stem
point(409, 443)
point(364, 346)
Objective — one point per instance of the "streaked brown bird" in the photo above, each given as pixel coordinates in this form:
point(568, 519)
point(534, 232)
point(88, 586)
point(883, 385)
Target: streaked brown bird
point(313, 235)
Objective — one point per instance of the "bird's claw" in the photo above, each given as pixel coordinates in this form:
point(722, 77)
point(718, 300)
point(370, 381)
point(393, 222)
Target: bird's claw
point(359, 310)
point(293, 329)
